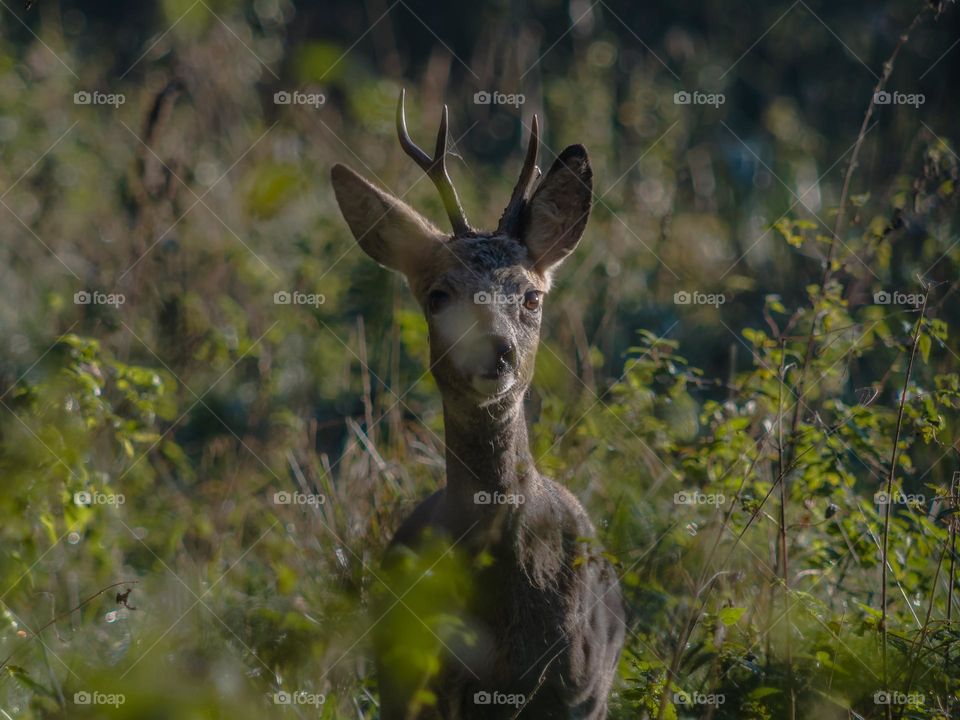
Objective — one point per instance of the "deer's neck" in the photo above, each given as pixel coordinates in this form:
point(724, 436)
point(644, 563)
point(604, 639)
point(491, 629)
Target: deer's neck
point(487, 449)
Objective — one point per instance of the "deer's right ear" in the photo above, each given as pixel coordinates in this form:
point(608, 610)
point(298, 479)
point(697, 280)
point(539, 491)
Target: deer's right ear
point(388, 230)
point(556, 215)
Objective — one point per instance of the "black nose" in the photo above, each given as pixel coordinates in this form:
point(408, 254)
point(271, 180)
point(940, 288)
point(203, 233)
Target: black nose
point(505, 354)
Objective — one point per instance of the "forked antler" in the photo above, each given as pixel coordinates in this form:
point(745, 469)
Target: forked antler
point(435, 167)
point(510, 220)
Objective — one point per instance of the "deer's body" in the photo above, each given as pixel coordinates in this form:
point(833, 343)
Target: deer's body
point(544, 613)
point(548, 630)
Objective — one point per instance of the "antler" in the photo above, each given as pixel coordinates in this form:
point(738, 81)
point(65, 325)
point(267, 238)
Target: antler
point(510, 220)
point(435, 167)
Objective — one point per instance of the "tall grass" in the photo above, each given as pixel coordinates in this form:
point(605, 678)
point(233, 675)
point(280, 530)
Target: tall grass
point(193, 412)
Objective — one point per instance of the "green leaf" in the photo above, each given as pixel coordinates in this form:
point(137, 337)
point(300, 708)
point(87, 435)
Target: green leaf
point(731, 615)
point(273, 186)
point(23, 677)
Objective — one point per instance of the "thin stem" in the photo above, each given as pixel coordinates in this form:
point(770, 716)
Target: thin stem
point(881, 83)
point(782, 481)
point(66, 613)
point(841, 214)
point(954, 521)
point(889, 504)
point(702, 595)
point(918, 647)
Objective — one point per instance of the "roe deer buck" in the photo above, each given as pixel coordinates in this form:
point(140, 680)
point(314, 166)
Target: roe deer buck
point(544, 614)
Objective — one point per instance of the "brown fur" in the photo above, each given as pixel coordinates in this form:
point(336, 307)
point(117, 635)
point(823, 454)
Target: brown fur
point(546, 611)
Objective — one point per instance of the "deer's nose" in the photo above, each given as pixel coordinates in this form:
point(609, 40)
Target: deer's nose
point(505, 354)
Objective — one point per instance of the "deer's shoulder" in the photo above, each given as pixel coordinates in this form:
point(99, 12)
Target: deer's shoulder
point(555, 504)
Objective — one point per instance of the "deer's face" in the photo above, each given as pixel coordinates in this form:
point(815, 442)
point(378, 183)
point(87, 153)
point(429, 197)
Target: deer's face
point(483, 300)
point(482, 293)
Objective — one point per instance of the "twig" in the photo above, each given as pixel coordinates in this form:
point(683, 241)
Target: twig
point(66, 613)
point(915, 651)
point(881, 83)
point(841, 211)
point(954, 522)
point(703, 586)
point(782, 481)
point(889, 504)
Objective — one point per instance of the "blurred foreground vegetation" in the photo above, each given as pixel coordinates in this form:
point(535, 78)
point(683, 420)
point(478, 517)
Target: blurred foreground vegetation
point(756, 336)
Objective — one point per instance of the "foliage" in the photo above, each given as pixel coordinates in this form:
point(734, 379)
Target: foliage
point(238, 462)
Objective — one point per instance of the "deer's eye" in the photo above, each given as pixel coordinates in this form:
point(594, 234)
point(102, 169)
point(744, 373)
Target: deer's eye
point(437, 300)
point(531, 300)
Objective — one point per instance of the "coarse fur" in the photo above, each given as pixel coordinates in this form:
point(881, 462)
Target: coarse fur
point(545, 612)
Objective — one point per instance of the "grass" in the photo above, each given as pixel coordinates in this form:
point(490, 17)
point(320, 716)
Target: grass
point(249, 460)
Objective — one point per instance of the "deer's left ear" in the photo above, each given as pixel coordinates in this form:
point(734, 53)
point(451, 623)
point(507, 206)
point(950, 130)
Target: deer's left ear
point(556, 215)
point(388, 230)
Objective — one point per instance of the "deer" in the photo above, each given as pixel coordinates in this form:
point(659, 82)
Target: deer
point(545, 611)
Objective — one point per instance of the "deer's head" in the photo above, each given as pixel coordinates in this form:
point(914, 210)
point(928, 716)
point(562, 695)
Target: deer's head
point(482, 292)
